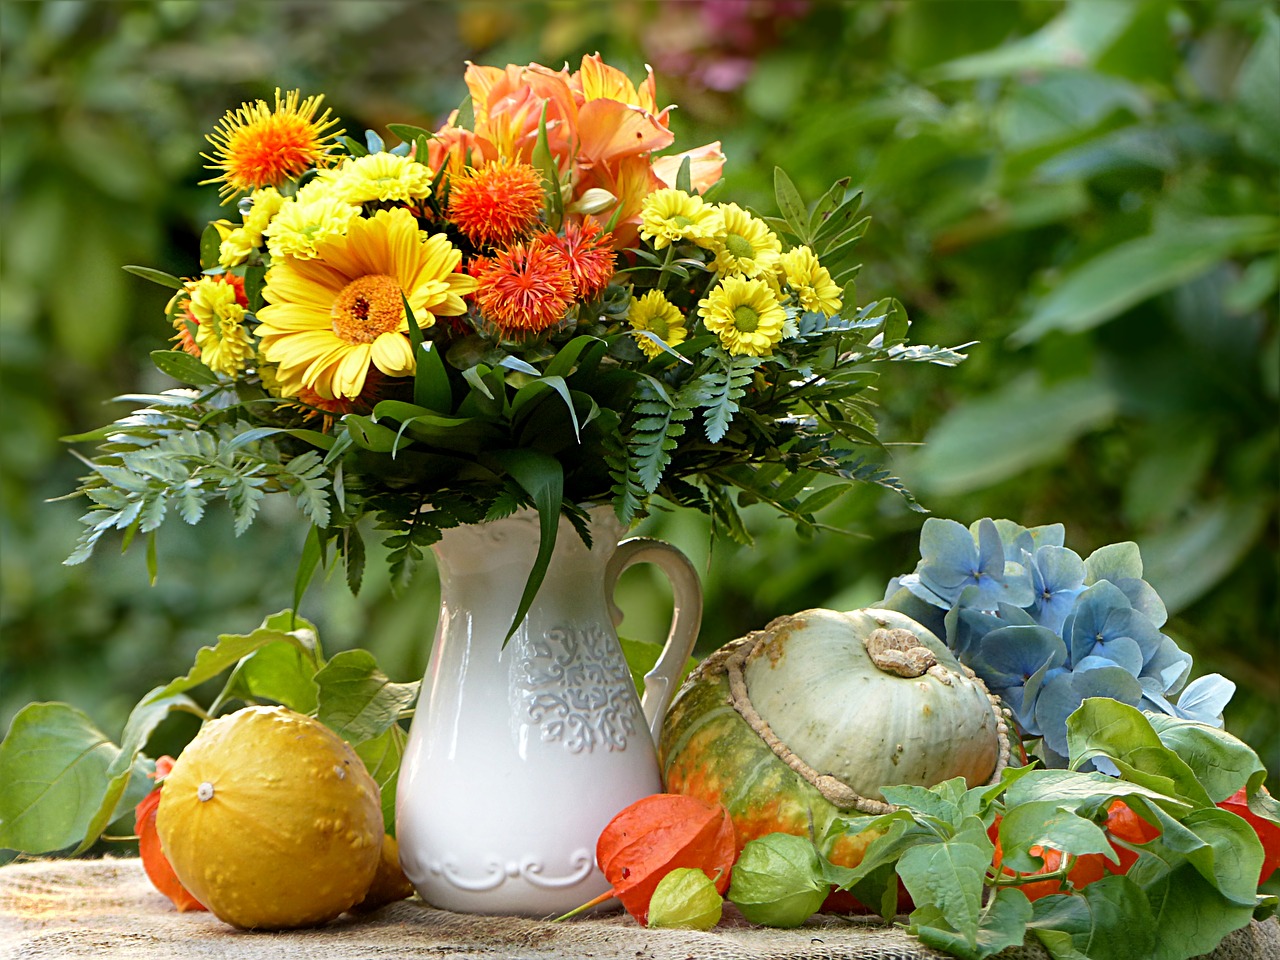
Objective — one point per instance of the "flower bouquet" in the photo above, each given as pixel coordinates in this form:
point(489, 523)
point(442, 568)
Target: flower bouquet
point(531, 306)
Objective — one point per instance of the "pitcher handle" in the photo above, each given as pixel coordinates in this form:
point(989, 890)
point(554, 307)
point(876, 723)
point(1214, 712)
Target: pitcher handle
point(660, 682)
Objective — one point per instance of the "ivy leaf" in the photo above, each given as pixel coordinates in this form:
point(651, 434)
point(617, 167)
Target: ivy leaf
point(1103, 727)
point(949, 877)
point(1188, 915)
point(357, 701)
point(1110, 919)
point(1002, 924)
point(1044, 823)
point(1221, 763)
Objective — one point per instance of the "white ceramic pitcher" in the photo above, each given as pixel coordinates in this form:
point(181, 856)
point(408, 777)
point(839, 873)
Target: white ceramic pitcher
point(518, 757)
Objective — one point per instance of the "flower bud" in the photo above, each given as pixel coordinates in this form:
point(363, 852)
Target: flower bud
point(686, 899)
point(777, 881)
point(595, 200)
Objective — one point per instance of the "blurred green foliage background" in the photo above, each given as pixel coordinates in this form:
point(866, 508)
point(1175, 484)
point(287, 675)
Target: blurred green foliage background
point(1086, 190)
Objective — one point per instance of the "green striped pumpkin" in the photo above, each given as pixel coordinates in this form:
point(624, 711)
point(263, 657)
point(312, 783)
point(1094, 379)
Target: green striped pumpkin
point(805, 720)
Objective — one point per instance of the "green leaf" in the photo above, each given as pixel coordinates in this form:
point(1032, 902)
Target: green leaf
point(542, 478)
point(1046, 824)
point(528, 394)
point(1221, 763)
point(382, 756)
point(1109, 919)
point(356, 699)
point(183, 367)
point(1138, 269)
point(156, 276)
point(1222, 847)
point(1104, 727)
point(545, 162)
point(231, 648)
point(1002, 924)
point(210, 247)
point(408, 133)
point(1085, 793)
point(1189, 917)
point(54, 764)
point(684, 180)
point(790, 205)
point(949, 876)
point(279, 672)
point(370, 435)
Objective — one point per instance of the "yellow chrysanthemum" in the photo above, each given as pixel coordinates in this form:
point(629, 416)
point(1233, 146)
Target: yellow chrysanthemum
point(745, 315)
point(305, 221)
point(810, 281)
point(258, 146)
point(655, 313)
point(669, 215)
point(224, 343)
point(379, 176)
point(328, 318)
point(747, 248)
point(239, 243)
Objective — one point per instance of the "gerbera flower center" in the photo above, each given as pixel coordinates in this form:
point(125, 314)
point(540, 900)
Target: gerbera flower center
point(367, 307)
point(745, 318)
point(739, 246)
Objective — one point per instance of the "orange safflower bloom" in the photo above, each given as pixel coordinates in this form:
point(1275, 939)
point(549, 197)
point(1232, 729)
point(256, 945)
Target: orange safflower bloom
point(496, 204)
point(256, 146)
point(589, 253)
point(524, 289)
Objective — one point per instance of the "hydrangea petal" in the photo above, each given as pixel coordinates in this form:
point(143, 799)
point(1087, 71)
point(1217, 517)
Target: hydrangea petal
point(1144, 599)
point(1062, 695)
point(1116, 561)
point(1169, 666)
point(949, 558)
point(1205, 698)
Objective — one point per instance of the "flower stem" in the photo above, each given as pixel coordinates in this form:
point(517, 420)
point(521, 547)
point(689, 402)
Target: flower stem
point(607, 895)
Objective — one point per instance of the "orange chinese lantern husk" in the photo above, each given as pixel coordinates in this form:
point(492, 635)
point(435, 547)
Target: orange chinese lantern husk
point(154, 862)
point(657, 834)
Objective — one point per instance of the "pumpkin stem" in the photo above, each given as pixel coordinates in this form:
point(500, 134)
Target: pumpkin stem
point(607, 895)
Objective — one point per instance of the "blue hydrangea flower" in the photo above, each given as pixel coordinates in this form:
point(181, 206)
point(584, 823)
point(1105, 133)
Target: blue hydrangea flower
point(1104, 623)
point(1014, 662)
point(1057, 578)
point(1064, 690)
point(1045, 629)
point(952, 559)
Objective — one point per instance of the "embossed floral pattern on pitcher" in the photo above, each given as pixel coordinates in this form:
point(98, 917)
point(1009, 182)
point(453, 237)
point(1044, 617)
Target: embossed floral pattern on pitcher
point(519, 755)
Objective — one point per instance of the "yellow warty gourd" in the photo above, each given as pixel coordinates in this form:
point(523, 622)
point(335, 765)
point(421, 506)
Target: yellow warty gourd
point(271, 820)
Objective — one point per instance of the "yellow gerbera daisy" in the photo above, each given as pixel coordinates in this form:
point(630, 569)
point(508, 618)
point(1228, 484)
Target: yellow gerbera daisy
point(379, 176)
point(328, 318)
point(810, 281)
point(747, 247)
point(240, 242)
point(303, 222)
point(745, 315)
point(257, 146)
point(224, 343)
point(669, 215)
point(655, 313)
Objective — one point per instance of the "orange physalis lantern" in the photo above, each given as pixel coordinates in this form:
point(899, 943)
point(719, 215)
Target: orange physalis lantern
point(657, 834)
